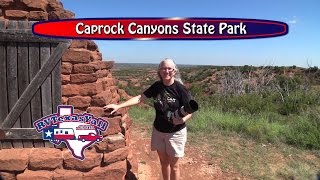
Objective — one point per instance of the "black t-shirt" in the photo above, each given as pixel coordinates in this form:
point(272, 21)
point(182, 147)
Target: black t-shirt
point(167, 98)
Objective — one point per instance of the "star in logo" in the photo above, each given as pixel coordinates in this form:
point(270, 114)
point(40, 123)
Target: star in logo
point(48, 133)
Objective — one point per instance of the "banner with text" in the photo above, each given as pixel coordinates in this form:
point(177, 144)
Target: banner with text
point(160, 28)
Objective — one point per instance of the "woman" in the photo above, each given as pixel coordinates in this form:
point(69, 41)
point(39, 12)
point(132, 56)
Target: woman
point(169, 135)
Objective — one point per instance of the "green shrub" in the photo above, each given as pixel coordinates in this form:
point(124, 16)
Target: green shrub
point(304, 132)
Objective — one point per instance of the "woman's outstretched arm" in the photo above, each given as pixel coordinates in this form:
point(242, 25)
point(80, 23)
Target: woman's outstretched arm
point(133, 101)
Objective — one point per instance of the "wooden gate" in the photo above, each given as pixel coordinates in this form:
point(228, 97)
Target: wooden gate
point(30, 82)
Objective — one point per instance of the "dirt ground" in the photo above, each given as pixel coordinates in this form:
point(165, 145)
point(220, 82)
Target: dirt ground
point(195, 164)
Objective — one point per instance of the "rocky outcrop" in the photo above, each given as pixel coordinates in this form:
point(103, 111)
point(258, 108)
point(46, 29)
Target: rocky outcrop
point(31, 10)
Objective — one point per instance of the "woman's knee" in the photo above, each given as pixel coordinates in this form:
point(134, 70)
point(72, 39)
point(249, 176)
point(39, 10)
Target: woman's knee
point(174, 163)
point(164, 160)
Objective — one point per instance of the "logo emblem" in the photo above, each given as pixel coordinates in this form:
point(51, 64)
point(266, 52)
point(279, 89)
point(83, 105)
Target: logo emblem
point(77, 131)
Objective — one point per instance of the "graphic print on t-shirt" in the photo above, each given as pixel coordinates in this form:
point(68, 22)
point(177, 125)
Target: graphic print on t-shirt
point(164, 101)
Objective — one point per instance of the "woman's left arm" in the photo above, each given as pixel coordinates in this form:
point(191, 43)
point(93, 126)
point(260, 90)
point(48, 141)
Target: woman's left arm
point(187, 117)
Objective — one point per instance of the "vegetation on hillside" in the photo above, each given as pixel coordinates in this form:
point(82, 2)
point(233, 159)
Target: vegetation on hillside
point(263, 122)
point(272, 104)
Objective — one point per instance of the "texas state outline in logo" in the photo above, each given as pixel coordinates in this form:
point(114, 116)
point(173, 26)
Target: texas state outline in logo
point(77, 131)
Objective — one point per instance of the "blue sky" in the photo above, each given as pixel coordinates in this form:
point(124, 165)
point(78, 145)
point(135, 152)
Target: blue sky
point(300, 47)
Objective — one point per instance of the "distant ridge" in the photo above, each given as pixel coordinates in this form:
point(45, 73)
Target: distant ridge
point(118, 66)
point(134, 65)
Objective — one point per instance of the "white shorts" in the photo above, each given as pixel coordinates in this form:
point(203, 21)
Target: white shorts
point(171, 143)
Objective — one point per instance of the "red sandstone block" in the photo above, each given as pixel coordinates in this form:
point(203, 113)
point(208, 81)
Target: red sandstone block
point(78, 111)
point(127, 137)
point(64, 100)
point(100, 83)
point(38, 5)
point(103, 73)
point(16, 14)
point(83, 78)
point(102, 98)
point(66, 68)
point(87, 89)
point(62, 174)
point(65, 79)
point(27, 175)
point(79, 101)
point(107, 82)
point(83, 68)
point(37, 15)
point(99, 86)
point(116, 99)
point(92, 46)
point(61, 14)
point(98, 65)
point(111, 143)
point(70, 90)
point(114, 126)
point(54, 5)
point(103, 64)
point(79, 44)
point(123, 111)
point(7, 175)
point(113, 171)
point(127, 121)
point(4, 3)
point(76, 56)
point(123, 118)
point(95, 56)
point(45, 159)
point(109, 64)
point(115, 156)
point(113, 89)
point(110, 75)
point(14, 159)
point(92, 159)
point(96, 111)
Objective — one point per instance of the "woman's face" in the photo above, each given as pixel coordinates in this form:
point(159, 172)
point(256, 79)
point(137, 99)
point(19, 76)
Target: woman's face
point(167, 70)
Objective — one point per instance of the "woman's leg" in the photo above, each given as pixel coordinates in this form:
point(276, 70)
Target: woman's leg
point(174, 168)
point(165, 164)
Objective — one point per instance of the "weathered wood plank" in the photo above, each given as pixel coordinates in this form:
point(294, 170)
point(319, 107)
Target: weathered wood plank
point(46, 101)
point(12, 25)
point(26, 36)
point(35, 84)
point(34, 67)
point(20, 133)
point(2, 25)
point(12, 80)
point(56, 83)
point(46, 86)
point(23, 26)
point(56, 89)
point(3, 84)
point(23, 82)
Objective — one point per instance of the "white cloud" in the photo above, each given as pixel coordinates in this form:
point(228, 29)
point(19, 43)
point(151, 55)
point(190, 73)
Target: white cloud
point(292, 22)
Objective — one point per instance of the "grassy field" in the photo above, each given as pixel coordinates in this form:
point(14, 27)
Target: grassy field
point(239, 152)
point(263, 122)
